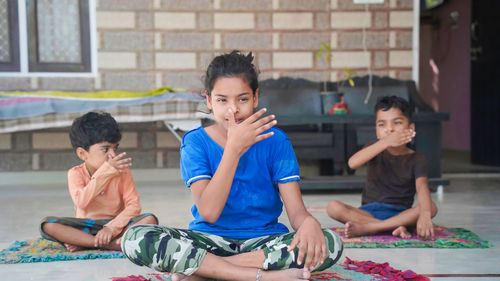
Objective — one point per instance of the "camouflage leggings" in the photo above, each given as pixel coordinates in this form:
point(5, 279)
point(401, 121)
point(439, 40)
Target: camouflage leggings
point(176, 250)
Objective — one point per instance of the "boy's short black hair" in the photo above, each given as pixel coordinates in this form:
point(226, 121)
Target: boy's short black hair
point(234, 64)
point(387, 102)
point(92, 128)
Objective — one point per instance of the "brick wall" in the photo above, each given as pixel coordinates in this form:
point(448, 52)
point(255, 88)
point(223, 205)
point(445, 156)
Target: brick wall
point(145, 44)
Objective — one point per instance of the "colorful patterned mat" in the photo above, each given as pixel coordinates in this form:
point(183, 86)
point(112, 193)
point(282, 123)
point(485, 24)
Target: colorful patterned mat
point(349, 270)
point(42, 250)
point(444, 238)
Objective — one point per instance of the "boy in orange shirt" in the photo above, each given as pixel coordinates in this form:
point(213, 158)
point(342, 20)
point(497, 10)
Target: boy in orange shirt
point(102, 189)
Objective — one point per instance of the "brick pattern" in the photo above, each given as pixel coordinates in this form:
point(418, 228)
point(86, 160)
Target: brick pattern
point(168, 42)
point(68, 84)
point(5, 141)
point(115, 20)
point(132, 81)
point(174, 40)
point(48, 141)
point(15, 84)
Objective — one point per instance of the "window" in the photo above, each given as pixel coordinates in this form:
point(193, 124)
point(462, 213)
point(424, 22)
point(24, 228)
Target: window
point(9, 36)
point(45, 36)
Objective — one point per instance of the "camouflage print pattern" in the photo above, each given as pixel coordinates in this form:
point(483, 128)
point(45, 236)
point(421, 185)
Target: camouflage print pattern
point(177, 250)
point(277, 256)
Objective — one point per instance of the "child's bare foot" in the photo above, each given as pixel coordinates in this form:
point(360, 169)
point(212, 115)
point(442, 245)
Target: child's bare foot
point(402, 232)
point(72, 248)
point(353, 229)
point(294, 274)
point(182, 277)
point(114, 245)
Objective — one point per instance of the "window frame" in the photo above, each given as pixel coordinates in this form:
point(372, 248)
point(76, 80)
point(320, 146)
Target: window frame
point(28, 56)
point(13, 20)
point(34, 64)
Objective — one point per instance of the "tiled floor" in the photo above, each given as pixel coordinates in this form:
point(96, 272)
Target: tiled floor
point(471, 201)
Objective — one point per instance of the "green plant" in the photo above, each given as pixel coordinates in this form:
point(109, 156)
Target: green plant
point(326, 49)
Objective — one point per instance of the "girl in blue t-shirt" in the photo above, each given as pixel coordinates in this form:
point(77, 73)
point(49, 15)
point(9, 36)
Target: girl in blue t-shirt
point(238, 170)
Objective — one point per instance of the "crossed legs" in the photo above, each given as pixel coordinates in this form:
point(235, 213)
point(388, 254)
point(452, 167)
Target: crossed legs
point(215, 267)
point(76, 240)
point(192, 255)
point(359, 222)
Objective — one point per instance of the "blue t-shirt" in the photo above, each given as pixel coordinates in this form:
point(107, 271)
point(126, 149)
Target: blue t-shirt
point(254, 204)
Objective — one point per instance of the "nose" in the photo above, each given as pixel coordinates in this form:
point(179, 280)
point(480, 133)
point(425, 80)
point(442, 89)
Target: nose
point(112, 152)
point(234, 107)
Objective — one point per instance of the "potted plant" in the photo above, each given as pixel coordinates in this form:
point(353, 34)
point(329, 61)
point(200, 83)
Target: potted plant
point(331, 93)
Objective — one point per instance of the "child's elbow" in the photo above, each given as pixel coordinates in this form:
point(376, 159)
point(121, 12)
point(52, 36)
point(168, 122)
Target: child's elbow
point(208, 216)
point(352, 164)
point(210, 219)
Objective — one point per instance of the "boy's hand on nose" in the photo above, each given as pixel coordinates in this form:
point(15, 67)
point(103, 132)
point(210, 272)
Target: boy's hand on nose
point(242, 136)
point(118, 163)
point(398, 138)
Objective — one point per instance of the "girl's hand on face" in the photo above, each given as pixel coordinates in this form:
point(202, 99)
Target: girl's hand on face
point(118, 163)
point(242, 136)
point(312, 243)
point(398, 138)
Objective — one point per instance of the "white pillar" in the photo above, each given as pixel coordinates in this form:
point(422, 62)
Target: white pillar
point(416, 41)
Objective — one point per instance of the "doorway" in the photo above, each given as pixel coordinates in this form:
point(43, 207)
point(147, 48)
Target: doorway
point(485, 78)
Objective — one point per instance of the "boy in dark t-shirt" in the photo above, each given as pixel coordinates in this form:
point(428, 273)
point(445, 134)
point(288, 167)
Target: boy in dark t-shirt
point(395, 174)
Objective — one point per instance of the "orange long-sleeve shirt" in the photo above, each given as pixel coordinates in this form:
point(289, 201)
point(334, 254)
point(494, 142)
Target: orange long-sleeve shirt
point(108, 194)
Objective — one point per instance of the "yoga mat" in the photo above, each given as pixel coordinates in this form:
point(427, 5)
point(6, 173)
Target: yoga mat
point(43, 250)
point(444, 238)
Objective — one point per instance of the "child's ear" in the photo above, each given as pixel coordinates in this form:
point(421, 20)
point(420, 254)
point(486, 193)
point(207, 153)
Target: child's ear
point(412, 126)
point(256, 98)
point(209, 101)
point(81, 153)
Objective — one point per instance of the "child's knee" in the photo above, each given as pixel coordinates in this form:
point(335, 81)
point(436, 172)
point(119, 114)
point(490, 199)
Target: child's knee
point(333, 242)
point(161, 248)
point(434, 209)
point(49, 227)
point(130, 242)
point(334, 246)
point(151, 219)
point(47, 223)
point(335, 208)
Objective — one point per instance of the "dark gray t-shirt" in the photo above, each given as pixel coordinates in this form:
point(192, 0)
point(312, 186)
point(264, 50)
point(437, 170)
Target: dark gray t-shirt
point(391, 178)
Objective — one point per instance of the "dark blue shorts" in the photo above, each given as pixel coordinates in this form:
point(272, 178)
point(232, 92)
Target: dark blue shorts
point(381, 210)
point(86, 225)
